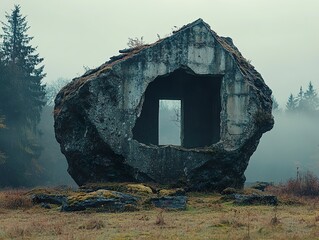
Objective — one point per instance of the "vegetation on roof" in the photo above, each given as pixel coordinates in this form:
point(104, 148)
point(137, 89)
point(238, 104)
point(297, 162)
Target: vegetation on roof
point(137, 45)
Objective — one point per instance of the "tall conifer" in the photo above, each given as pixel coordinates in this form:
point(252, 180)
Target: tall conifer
point(311, 99)
point(291, 104)
point(22, 62)
point(21, 101)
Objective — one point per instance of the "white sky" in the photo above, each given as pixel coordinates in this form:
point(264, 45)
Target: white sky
point(280, 37)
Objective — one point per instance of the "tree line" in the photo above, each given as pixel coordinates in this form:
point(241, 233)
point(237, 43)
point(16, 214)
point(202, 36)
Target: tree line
point(305, 102)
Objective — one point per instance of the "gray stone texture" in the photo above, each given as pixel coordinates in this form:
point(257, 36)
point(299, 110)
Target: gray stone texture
point(96, 113)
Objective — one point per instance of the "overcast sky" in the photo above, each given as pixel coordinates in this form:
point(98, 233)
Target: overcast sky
point(280, 37)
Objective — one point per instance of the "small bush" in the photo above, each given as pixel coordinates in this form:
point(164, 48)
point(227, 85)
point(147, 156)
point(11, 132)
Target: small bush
point(135, 42)
point(304, 185)
point(160, 218)
point(15, 199)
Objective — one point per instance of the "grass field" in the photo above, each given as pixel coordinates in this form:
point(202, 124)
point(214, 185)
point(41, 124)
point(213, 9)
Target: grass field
point(205, 218)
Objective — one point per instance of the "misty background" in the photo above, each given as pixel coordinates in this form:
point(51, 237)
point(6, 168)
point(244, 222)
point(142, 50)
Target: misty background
point(292, 143)
point(169, 119)
point(279, 38)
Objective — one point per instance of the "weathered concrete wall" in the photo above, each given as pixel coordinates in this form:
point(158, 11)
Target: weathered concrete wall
point(95, 115)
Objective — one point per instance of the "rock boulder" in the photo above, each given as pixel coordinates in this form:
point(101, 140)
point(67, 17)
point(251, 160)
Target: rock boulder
point(106, 121)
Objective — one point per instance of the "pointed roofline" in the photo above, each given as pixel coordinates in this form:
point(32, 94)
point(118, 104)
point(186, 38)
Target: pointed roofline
point(248, 71)
point(190, 25)
point(246, 68)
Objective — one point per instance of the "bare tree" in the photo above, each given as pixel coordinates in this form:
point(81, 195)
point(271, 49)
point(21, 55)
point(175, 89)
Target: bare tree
point(53, 88)
point(177, 115)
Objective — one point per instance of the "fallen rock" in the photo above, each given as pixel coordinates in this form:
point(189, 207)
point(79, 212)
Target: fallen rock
point(170, 202)
point(255, 199)
point(261, 185)
point(171, 192)
point(131, 198)
point(101, 200)
point(130, 188)
point(45, 205)
point(229, 191)
point(48, 199)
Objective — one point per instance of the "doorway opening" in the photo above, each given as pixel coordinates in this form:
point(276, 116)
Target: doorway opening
point(169, 122)
point(200, 107)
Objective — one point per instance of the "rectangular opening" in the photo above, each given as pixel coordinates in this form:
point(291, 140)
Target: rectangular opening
point(198, 99)
point(169, 122)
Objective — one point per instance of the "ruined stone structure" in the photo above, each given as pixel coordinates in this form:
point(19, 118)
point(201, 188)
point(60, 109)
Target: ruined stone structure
point(106, 121)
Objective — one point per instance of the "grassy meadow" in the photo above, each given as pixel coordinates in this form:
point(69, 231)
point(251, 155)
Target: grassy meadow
point(206, 217)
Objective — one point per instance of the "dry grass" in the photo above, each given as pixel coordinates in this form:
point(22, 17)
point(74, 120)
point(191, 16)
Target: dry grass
point(306, 184)
point(93, 224)
point(160, 218)
point(15, 199)
point(205, 218)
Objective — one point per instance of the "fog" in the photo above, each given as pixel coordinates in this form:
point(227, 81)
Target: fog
point(292, 143)
point(169, 122)
point(278, 37)
point(54, 162)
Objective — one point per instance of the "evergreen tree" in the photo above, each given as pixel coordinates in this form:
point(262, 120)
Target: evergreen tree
point(300, 100)
point(311, 99)
point(22, 96)
point(291, 104)
point(2, 155)
point(2, 99)
point(22, 61)
point(305, 103)
point(300, 94)
point(275, 104)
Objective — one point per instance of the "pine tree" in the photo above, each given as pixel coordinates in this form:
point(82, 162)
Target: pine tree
point(300, 99)
point(2, 99)
point(311, 99)
point(2, 155)
point(22, 61)
point(300, 96)
point(291, 104)
point(22, 96)
point(275, 104)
